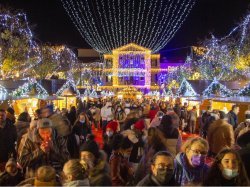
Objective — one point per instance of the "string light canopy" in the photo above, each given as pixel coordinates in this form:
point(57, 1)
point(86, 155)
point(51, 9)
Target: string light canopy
point(108, 24)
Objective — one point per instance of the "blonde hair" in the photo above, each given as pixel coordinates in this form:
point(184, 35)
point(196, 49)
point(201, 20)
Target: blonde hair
point(46, 174)
point(191, 141)
point(75, 168)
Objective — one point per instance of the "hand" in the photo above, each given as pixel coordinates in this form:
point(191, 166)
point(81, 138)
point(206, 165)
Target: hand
point(45, 146)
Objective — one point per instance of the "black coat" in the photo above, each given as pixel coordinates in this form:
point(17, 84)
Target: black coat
point(150, 180)
point(8, 137)
point(8, 180)
point(245, 155)
point(81, 129)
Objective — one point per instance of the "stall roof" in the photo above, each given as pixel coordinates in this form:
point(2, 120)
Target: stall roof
point(242, 99)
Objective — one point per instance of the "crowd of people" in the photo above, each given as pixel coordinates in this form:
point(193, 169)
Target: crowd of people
point(141, 145)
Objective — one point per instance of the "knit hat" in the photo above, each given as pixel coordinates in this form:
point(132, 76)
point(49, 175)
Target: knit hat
point(139, 125)
point(112, 125)
point(44, 123)
point(11, 161)
point(92, 147)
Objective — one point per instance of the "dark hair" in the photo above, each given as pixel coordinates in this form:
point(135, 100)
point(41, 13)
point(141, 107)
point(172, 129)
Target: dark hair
point(38, 111)
point(234, 107)
point(214, 176)
point(2, 110)
point(121, 142)
point(24, 117)
point(222, 114)
point(11, 110)
point(161, 153)
point(157, 142)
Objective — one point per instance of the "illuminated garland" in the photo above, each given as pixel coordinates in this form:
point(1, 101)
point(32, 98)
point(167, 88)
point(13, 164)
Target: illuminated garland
point(217, 89)
point(186, 89)
point(69, 84)
point(153, 93)
point(17, 26)
point(106, 25)
point(3, 92)
point(24, 90)
point(244, 91)
point(167, 93)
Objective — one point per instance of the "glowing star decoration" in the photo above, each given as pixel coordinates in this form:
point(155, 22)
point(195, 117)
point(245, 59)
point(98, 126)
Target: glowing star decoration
point(31, 88)
point(216, 89)
point(3, 93)
point(109, 24)
point(69, 84)
point(244, 91)
point(186, 89)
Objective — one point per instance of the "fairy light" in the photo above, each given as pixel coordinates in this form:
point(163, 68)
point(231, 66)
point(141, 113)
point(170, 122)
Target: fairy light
point(186, 89)
point(3, 92)
point(69, 84)
point(244, 91)
point(24, 90)
point(18, 25)
point(217, 89)
point(106, 26)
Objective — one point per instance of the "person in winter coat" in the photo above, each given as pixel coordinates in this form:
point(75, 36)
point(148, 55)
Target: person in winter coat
point(8, 137)
point(153, 145)
point(233, 116)
point(192, 119)
point(190, 167)
point(12, 175)
point(60, 122)
point(169, 134)
point(10, 115)
point(42, 146)
point(22, 125)
point(96, 113)
point(135, 135)
point(243, 126)
point(244, 142)
point(82, 128)
point(227, 170)
point(120, 116)
point(97, 168)
point(72, 115)
point(161, 171)
point(220, 135)
point(74, 174)
point(121, 170)
point(111, 131)
point(107, 115)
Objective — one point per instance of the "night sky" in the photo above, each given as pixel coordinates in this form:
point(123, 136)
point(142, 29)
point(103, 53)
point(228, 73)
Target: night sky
point(50, 23)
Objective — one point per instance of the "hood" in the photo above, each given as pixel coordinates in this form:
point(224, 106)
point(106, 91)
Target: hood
point(84, 182)
point(22, 124)
point(34, 136)
point(101, 167)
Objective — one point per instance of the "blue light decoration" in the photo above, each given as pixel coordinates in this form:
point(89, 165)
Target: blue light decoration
point(216, 89)
point(244, 91)
point(186, 89)
point(3, 93)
